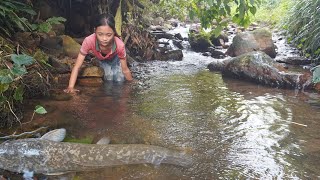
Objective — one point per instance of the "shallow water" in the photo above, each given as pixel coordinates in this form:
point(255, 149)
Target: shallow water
point(233, 129)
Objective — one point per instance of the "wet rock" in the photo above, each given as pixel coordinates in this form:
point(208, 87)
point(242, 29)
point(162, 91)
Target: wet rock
point(91, 71)
point(27, 39)
point(172, 55)
point(220, 40)
point(57, 66)
point(158, 21)
point(70, 46)
point(295, 60)
point(174, 22)
point(260, 68)
point(162, 34)
point(206, 54)
point(217, 54)
point(91, 82)
point(258, 40)
point(177, 43)
point(52, 45)
point(178, 36)
point(199, 43)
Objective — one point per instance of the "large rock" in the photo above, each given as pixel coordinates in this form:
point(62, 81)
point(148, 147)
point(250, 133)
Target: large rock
point(91, 71)
point(175, 55)
point(258, 40)
point(199, 42)
point(259, 67)
point(70, 47)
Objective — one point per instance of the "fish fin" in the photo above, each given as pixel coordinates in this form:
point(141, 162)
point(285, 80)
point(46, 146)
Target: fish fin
point(61, 176)
point(104, 140)
point(56, 135)
point(56, 174)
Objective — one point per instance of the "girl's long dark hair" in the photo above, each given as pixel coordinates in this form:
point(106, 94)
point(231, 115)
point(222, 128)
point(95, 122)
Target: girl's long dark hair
point(105, 19)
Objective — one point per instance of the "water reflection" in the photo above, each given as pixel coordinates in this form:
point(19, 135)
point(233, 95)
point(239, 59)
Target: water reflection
point(236, 129)
point(233, 129)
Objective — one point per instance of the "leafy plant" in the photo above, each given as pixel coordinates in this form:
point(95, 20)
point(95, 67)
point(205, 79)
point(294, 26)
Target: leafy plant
point(220, 10)
point(47, 25)
point(272, 12)
point(303, 26)
point(316, 74)
point(10, 21)
point(11, 89)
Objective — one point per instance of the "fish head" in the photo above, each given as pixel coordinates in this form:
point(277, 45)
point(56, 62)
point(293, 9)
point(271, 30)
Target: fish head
point(21, 155)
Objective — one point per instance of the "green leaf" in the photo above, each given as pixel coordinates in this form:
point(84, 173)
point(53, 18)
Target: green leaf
point(40, 110)
point(253, 10)
point(18, 70)
point(3, 99)
point(45, 27)
point(18, 94)
point(5, 76)
point(316, 74)
point(55, 20)
point(3, 87)
point(22, 59)
point(217, 31)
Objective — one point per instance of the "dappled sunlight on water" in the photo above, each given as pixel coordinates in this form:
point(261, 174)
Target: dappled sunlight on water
point(232, 129)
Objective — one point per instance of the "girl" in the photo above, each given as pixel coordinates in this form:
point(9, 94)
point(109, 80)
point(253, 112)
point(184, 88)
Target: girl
point(107, 47)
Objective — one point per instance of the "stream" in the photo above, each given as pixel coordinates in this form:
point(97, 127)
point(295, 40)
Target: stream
point(233, 129)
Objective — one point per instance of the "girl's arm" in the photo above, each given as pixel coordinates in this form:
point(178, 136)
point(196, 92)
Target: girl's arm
point(125, 70)
point(74, 74)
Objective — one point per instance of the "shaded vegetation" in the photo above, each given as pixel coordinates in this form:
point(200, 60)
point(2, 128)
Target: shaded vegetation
point(303, 27)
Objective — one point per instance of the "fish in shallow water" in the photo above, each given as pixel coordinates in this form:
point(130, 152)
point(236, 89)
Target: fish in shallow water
point(48, 155)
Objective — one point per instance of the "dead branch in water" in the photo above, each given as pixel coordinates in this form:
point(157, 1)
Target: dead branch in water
point(25, 134)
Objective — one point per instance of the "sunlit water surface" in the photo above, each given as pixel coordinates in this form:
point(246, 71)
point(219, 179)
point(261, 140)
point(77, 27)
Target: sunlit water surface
point(233, 129)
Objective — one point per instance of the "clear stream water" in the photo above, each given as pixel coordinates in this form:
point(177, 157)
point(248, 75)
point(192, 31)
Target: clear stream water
point(233, 129)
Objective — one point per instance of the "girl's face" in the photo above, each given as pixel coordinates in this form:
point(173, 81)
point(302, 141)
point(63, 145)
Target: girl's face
point(105, 35)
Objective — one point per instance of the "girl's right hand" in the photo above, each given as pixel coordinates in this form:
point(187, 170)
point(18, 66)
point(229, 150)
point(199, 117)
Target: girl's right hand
point(70, 90)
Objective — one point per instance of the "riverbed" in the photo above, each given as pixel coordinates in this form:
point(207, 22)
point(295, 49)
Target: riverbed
point(233, 129)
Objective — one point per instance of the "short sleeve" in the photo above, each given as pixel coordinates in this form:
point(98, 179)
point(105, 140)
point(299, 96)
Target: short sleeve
point(121, 49)
point(85, 47)
point(121, 52)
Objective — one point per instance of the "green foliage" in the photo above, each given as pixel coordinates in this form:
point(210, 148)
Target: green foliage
point(303, 26)
point(316, 74)
point(11, 13)
point(219, 10)
point(47, 25)
point(9, 76)
point(40, 110)
point(272, 12)
point(9, 19)
point(84, 140)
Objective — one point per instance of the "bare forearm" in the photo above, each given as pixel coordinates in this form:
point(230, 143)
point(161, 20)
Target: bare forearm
point(127, 75)
point(73, 77)
point(125, 70)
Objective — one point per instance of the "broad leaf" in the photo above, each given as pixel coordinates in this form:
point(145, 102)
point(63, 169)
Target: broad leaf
point(3, 87)
point(316, 74)
point(18, 94)
point(40, 110)
point(5, 76)
point(18, 70)
point(22, 59)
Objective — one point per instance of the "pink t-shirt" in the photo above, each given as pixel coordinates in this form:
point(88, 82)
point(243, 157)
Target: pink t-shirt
point(90, 44)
